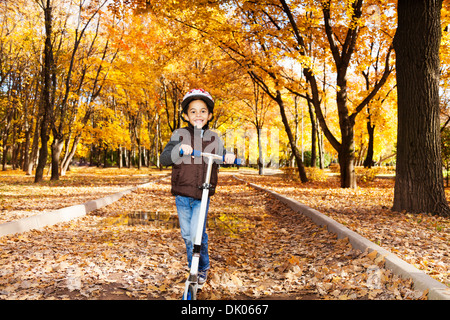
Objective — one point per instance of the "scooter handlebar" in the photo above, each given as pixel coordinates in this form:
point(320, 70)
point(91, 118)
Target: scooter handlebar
point(198, 153)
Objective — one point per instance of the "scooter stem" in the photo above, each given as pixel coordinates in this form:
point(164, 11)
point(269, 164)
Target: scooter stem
point(205, 196)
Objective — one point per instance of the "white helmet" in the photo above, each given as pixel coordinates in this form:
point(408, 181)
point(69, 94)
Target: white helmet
point(197, 94)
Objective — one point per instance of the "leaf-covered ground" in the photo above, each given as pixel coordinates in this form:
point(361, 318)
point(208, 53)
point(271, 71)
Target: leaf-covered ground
point(20, 197)
point(422, 240)
point(259, 250)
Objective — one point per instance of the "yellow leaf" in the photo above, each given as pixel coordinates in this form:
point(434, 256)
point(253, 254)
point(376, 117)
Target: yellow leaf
point(372, 255)
point(379, 260)
point(424, 295)
point(342, 241)
point(294, 260)
point(62, 258)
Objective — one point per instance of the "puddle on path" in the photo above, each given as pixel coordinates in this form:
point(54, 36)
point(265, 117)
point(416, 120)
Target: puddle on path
point(164, 220)
point(223, 223)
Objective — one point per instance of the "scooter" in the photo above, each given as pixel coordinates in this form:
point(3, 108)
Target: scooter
point(191, 286)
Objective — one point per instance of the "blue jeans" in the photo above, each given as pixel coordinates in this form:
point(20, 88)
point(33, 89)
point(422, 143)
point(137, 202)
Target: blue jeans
point(188, 213)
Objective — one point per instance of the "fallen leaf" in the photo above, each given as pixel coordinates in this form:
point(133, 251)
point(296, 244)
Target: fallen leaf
point(372, 255)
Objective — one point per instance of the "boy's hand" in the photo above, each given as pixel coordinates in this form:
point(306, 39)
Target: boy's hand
point(187, 149)
point(229, 158)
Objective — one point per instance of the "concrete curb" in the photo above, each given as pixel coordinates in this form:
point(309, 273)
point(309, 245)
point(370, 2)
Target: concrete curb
point(422, 281)
point(65, 214)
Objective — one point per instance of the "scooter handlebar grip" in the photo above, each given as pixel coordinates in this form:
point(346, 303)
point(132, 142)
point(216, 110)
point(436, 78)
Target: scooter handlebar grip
point(195, 153)
point(237, 161)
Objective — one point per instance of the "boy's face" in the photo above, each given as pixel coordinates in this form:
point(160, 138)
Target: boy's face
point(198, 114)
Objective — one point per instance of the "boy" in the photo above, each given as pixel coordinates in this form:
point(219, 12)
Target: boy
point(188, 173)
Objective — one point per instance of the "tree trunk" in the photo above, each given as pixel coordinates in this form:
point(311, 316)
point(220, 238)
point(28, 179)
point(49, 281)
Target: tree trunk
point(26, 147)
point(5, 133)
point(5, 157)
point(321, 147)
point(298, 158)
point(69, 157)
point(34, 149)
point(419, 180)
point(368, 162)
point(313, 135)
point(57, 147)
point(45, 106)
point(119, 157)
point(139, 162)
point(346, 152)
point(43, 151)
point(346, 157)
point(105, 157)
point(260, 153)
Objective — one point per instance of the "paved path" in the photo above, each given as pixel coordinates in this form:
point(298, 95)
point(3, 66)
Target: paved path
point(259, 248)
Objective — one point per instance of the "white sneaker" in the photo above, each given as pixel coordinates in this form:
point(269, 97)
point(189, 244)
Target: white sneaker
point(202, 276)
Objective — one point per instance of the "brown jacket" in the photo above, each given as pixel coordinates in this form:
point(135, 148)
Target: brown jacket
point(188, 174)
